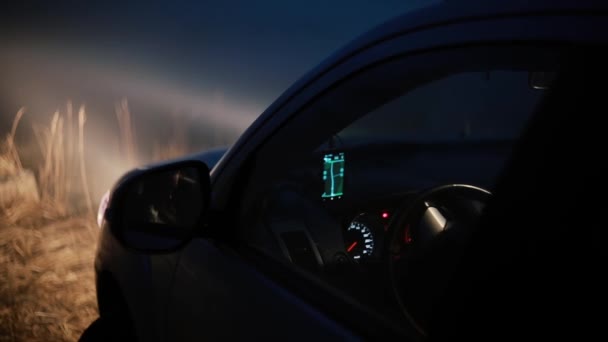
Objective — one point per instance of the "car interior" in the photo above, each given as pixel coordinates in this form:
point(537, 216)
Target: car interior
point(374, 210)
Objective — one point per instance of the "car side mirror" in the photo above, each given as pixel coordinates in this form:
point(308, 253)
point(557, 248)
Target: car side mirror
point(159, 209)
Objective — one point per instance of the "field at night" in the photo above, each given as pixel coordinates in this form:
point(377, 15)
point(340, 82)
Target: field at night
point(89, 91)
point(302, 170)
point(48, 225)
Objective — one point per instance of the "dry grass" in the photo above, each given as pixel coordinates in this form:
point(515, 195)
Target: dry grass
point(82, 118)
point(177, 146)
point(53, 178)
point(46, 242)
point(16, 184)
point(127, 133)
point(47, 282)
point(10, 162)
point(46, 257)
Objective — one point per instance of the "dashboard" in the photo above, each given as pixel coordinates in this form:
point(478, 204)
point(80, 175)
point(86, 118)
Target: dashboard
point(339, 213)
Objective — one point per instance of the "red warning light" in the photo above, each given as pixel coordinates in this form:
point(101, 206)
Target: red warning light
point(385, 214)
point(407, 236)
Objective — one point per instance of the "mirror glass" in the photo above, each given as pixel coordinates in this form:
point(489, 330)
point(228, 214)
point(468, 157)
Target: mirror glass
point(541, 80)
point(161, 208)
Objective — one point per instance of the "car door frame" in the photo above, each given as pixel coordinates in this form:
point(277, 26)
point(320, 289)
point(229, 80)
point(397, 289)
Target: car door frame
point(325, 298)
point(234, 167)
point(440, 29)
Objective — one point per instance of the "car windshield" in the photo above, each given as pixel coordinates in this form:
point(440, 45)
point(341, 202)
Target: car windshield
point(465, 107)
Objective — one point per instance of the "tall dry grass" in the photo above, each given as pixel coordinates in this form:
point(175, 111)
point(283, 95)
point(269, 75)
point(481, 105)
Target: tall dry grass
point(47, 288)
point(62, 155)
point(128, 143)
point(52, 178)
point(82, 118)
point(177, 144)
point(62, 180)
point(47, 244)
point(46, 248)
point(10, 162)
point(17, 186)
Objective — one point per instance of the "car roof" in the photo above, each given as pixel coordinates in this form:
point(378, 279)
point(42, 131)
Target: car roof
point(435, 15)
point(438, 14)
point(452, 11)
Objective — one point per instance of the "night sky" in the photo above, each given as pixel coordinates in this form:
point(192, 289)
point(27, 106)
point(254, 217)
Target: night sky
point(249, 51)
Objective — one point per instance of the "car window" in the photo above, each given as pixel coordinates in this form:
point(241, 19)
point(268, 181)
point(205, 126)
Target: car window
point(331, 208)
point(458, 129)
point(464, 107)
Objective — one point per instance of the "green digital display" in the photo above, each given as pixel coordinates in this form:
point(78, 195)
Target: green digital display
point(333, 175)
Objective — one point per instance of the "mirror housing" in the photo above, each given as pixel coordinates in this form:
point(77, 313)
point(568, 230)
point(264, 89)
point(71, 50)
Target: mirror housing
point(159, 209)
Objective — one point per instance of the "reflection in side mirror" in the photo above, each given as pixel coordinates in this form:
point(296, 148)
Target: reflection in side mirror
point(161, 208)
point(541, 80)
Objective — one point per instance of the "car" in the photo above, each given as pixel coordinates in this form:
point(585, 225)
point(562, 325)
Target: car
point(430, 180)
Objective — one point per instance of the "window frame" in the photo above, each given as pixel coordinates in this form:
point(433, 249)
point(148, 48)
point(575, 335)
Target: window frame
point(234, 171)
point(416, 65)
point(311, 288)
point(399, 38)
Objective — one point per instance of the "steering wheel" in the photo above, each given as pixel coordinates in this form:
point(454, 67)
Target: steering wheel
point(426, 237)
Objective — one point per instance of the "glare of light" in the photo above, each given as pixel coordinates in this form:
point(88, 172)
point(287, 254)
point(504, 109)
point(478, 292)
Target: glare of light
point(103, 205)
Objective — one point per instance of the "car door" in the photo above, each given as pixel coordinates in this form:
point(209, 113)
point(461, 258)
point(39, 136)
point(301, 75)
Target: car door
point(539, 277)
point(237, 282)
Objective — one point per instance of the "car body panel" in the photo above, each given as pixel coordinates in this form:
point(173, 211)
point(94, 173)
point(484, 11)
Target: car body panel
point(145, 280)
point(233, 301)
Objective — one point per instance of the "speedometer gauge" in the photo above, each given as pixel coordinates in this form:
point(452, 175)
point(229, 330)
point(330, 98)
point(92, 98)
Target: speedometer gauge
point(359, 240)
